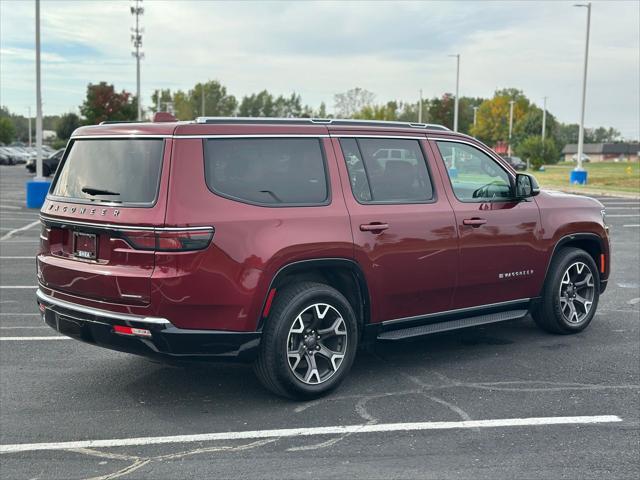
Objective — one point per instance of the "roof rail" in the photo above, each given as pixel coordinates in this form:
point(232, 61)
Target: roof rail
point(317, 121)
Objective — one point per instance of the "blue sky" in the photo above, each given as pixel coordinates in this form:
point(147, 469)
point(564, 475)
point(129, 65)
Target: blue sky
point(318, 49)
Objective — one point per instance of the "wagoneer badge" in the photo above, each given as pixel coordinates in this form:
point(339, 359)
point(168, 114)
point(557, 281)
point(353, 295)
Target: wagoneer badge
point(85, 211)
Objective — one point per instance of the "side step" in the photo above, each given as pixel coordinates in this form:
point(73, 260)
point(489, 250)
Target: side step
point(439, 327)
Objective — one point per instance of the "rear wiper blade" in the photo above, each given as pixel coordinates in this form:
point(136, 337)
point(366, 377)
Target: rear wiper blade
point(98, 191)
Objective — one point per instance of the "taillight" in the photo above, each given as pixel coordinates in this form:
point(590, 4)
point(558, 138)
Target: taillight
point(170, 240)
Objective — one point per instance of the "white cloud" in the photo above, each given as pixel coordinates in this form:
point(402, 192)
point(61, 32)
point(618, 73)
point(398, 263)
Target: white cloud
point(318, 49)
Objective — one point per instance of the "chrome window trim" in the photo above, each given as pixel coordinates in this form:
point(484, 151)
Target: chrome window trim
point(123, 227)
point(257, 135)
point(448, 312)
point(128, 135)
point(99, 312)
point(401, 137)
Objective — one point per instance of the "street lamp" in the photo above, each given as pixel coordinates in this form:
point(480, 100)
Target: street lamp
point(579, 175)
point(511, 103)
point(420, 108)
point(475, 115)
point(37, 188)
point(455, 111)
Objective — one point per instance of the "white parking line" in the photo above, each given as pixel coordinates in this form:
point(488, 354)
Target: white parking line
point(22, 327)
point(636, 225)
point(18, 230)
point(624, 215)
point(312, 431)
point(9, 287)
point(620, 208)
point(6, 314)
point(31, 339)
point(10, 207)
point(32, 257)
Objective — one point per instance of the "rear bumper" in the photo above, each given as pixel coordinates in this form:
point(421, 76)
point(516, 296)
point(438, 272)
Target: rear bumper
point(163, 340)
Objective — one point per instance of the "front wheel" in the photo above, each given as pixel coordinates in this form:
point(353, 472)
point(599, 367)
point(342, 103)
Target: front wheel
point(308, 342)
point(571, 293)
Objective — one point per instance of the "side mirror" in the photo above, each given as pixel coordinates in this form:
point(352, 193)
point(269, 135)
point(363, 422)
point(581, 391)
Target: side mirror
point(526, 186)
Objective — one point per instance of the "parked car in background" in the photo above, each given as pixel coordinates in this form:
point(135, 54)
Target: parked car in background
point(13, 155)
point(287, 243)
point(516, 162)
point(5, 159)
point(49, 164)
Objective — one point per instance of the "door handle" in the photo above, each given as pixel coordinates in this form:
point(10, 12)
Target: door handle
point(374, 227)
point(474, 222)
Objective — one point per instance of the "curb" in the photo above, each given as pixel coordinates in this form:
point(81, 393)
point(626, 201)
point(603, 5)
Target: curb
point(604, 193)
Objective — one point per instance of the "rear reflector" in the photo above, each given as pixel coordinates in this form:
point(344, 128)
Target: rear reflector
point(602, 263)
point(170, 241)
point(139, 332)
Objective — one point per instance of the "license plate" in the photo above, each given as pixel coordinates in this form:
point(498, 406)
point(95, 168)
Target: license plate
point(85, 245)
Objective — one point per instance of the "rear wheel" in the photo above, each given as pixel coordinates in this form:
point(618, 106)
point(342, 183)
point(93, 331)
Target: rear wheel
point(309, 341)
point(571, 293)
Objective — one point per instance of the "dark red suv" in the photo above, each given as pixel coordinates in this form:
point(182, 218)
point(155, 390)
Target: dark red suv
point(290, 242)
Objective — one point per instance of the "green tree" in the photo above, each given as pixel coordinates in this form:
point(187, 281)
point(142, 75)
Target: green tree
point(389, 112)
point(217, 101)
point(538, 152)
point(7, 130)
point(66, 125)
point(530, 124)
point(104, 103)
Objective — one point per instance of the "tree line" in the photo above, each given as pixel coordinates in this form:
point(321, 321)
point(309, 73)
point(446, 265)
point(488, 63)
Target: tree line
point(104, 103)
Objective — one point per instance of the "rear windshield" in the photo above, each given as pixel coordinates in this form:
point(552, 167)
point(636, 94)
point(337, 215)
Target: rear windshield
point(115, 170)
point(267, 171)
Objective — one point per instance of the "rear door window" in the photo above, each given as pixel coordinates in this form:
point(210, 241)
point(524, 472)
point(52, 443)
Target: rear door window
point(387, 170)
point(267, 171)
point(111, 170)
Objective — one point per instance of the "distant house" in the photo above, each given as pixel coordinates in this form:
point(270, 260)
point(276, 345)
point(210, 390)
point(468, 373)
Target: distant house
point(604, 152)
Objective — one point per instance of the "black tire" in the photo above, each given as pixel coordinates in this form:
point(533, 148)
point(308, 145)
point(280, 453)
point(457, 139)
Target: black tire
point(273, 367)
point(549, 314)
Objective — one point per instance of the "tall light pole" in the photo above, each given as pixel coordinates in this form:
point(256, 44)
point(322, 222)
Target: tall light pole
point(582, 176)
point(136, 39)
point(39, 176)
point(511, 103)
point(29, 110)
point(420, 108)
point(475, 115)
point(455, 111)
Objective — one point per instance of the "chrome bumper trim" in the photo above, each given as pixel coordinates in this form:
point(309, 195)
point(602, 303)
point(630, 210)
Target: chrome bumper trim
point(101, 313)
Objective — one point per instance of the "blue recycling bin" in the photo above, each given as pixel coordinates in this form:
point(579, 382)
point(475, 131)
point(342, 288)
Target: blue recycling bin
point(453, 172)
point(578, 177)
point(37, 192)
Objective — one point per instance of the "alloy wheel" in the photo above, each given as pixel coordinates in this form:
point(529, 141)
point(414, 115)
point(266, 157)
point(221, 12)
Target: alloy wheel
point(317, 343)
point(577, 291)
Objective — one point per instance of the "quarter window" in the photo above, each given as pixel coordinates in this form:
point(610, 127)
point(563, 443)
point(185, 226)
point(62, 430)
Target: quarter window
point(267, 171)
point(474, 175)
point(387, 170)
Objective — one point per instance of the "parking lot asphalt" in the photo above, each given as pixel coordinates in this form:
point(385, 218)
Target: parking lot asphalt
point(500, 401)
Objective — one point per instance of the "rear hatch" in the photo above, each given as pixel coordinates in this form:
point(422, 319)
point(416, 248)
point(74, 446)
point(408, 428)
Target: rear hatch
point(101, 216)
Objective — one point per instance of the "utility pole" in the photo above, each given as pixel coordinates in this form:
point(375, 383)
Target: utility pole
point(582, 177)
point(203, 114)
point(475, 115)
point(29, 110)
point(420, 108)
point(39, 176)
point(136, 39)
point(455, 111)
point(544, 120)
point(511, 103)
